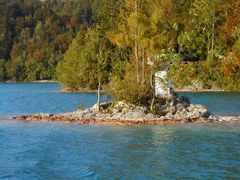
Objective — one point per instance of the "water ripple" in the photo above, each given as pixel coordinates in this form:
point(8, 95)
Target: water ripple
point(43, 150)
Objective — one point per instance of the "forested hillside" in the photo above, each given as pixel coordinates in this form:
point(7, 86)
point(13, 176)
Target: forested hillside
point(87, 43)
point(34, 35)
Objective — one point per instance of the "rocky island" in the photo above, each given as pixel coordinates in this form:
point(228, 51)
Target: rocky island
point(174, 110)
point(167, 107)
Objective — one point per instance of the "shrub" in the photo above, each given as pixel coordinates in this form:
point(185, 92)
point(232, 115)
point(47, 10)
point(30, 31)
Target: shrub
point(129, 90)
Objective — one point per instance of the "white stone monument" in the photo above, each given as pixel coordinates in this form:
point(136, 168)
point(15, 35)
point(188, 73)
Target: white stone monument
point(162, 85)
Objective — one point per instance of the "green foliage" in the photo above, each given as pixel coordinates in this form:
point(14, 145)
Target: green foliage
point(231, 68)
point(84, 43)
point(210, 74)
point(17, 69)
point(193, 46)
point(2, 70)
point(127, 89)
point(73, 71)
point(34, 35)
point(86, 62)
point(182, 74)
point(236, 48)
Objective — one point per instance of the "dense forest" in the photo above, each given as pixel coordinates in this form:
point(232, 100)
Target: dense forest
point(119, 44)
point(34, 35)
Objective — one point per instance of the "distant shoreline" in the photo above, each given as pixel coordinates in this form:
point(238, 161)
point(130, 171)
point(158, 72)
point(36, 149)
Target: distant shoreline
point(204, 90)
point(45, 81)
point(40, 81)
point(67, 90)
point(80, 90)
point(200, 90)
point(77, 91)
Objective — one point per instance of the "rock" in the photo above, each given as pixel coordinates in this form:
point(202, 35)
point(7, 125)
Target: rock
point(149, 116)
point(213, 118)
point(115, 111)
point(179, 107)
point(134, 114)
point(103, 115)
point(121, 105)
point(103, 106)
point(229, 119)
point(117, 115)
point(89, 115)
point(198, 111)
point(181, 102)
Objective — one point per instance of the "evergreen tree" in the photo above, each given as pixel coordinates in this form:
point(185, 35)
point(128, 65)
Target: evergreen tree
point(2, 70)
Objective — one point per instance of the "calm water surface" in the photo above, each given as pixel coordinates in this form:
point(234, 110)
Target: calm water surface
point(219, 103)
point(42, 150)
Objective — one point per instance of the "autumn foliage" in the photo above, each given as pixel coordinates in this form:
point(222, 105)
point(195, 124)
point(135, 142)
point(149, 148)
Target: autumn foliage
point(86, 43)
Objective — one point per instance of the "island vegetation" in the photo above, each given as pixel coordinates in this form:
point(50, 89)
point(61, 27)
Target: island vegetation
point(119, 44)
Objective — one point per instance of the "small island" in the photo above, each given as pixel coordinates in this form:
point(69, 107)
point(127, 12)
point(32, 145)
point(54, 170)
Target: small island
point(174, 110)
point(162, 106)
point(134, 51)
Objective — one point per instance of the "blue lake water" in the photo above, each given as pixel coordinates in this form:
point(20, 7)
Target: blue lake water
point(219, 103)
point(43, 150)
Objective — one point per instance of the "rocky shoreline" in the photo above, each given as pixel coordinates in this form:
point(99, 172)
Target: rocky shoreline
point(77, 91)
point(106, 121)
point(172, 110)
point(121, 121)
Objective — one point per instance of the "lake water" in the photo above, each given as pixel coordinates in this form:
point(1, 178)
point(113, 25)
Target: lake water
point(219, 103)
point(44, 150)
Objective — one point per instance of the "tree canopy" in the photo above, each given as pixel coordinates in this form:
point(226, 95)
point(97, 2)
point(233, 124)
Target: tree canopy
point(83, 43)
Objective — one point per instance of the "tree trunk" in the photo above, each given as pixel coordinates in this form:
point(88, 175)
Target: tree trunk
point(143, 66)
point(213, 34)
point(153, 90)
point(152, 103)
point(208, 46)
point(137, 61)
point(98, 94)
point(136, 47)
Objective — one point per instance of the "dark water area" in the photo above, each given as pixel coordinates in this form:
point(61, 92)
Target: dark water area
point(46, 150)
